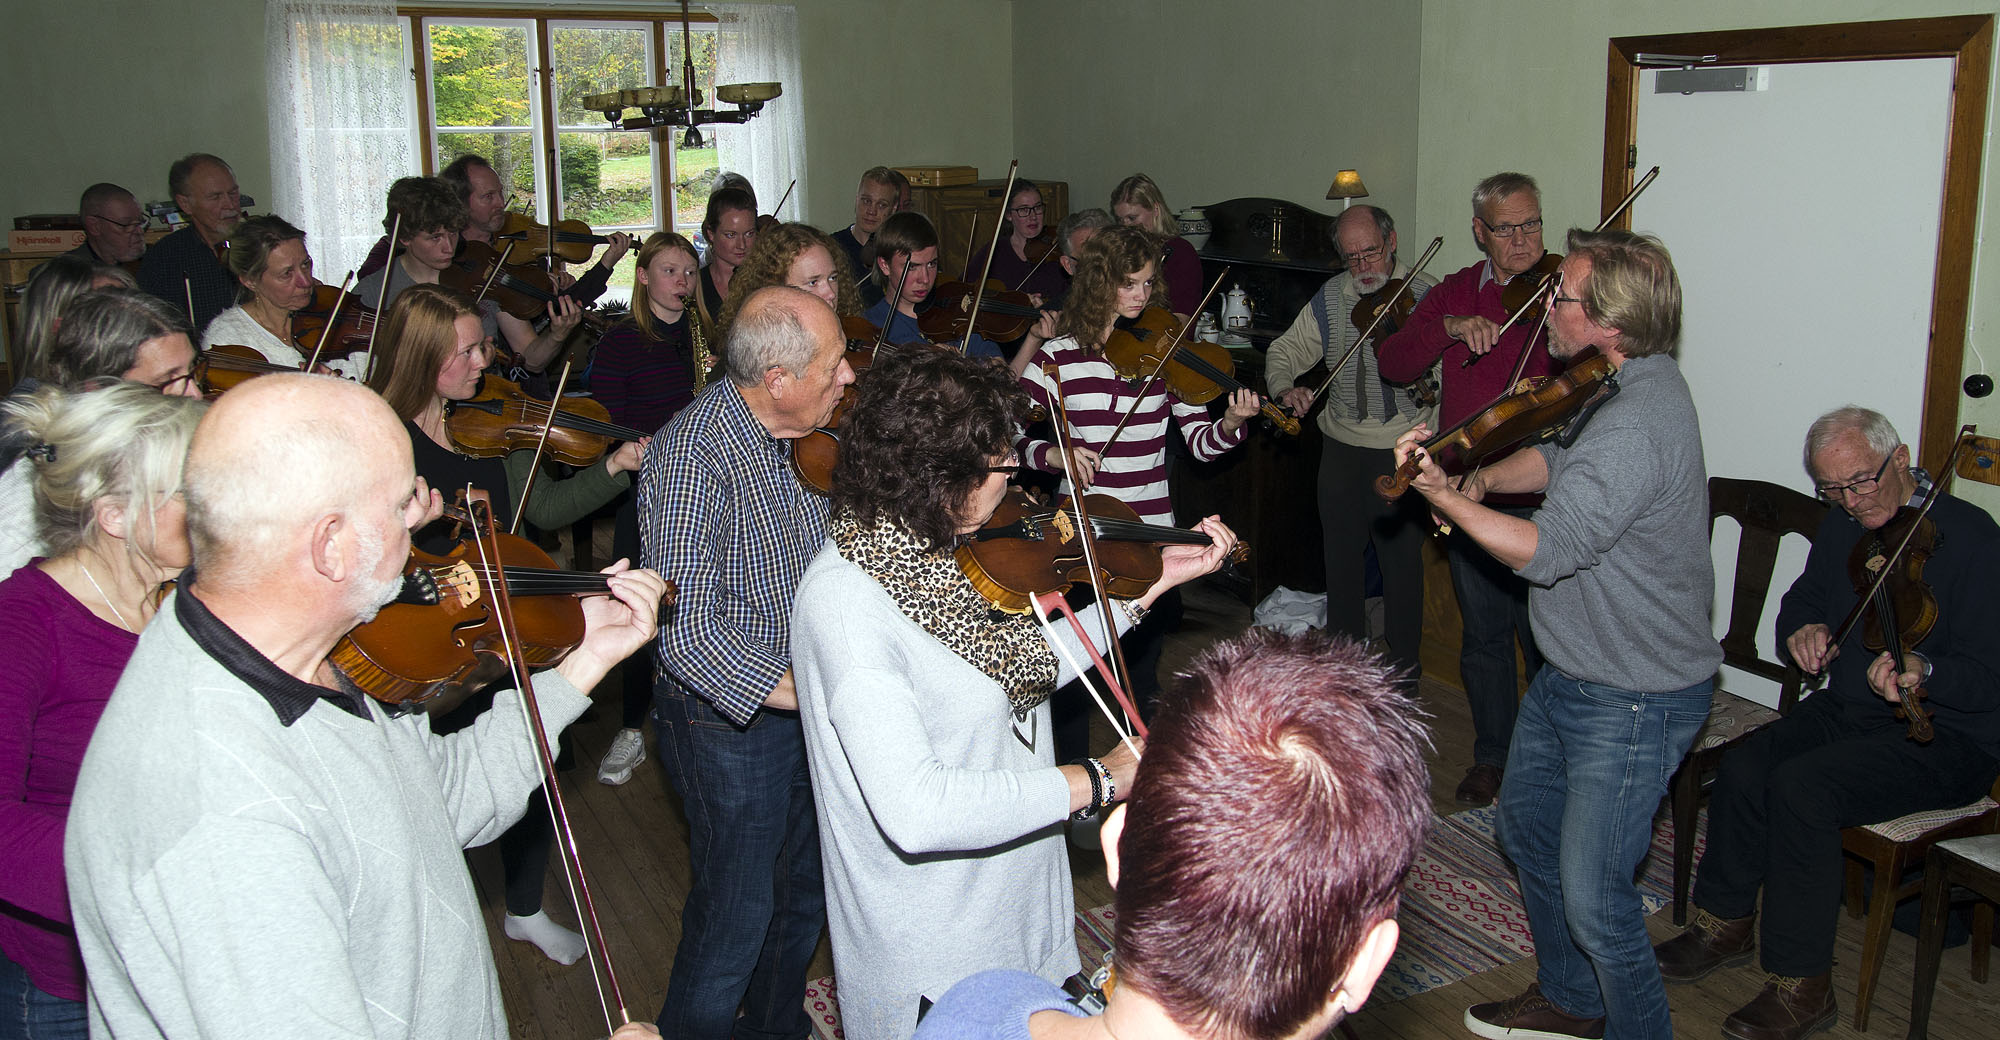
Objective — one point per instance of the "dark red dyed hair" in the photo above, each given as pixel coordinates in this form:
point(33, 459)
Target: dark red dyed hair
point(1282, 795)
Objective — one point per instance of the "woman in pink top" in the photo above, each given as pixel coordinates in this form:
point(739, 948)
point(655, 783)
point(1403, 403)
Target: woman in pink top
point(107, 498)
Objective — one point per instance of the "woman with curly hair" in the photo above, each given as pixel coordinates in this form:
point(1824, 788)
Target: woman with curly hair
point(798, 255)
point(926, 722)
point(1137, 200)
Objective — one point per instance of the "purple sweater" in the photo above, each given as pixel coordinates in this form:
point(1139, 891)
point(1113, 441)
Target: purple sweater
point(62, 662)
point(642, 382)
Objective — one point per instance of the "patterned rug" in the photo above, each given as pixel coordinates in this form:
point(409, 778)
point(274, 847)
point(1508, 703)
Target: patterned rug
point(1461, 914)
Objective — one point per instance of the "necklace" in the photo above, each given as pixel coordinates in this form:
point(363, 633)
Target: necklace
point(115, 612)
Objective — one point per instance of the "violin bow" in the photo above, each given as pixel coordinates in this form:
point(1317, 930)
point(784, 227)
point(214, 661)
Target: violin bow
point(979, 291)
point(1549, 278)
point(187, 284)
point(784, 197)
point(1381, 315)
point(1173, 344)
point(895, 301)
point(1121, 672)
point(382, 294)
point(541, 442)
point(332, 316)
point(486, 539)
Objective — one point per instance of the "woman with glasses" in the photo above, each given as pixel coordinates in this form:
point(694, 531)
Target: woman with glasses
point(1040, 275)
point(926, 719)
point(1137, 200)
point(106, 478)
point(117, 333)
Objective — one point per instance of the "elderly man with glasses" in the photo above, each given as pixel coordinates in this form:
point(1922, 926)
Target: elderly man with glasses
point(1842, 758)
point(1459, 322)
point(114, 227)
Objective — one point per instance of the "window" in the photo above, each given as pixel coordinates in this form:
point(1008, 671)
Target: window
point(480, 91)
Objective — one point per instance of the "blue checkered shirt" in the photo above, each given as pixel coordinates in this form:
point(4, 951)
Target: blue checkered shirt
point(723, 517)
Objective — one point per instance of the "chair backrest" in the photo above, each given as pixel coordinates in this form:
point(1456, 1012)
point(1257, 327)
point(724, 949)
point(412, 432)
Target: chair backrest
point(1767, 513)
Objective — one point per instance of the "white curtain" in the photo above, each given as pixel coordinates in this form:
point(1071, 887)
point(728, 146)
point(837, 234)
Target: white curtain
point(340, 122)
point(759, 43)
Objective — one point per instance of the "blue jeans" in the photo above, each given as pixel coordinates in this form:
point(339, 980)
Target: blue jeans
point(1493, 603)
point(1586, 773)
point(756, 908)
point(27, 1013)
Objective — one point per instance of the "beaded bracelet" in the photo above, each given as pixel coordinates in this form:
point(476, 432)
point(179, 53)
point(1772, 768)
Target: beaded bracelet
point(1110, 785)
point(1091, 769)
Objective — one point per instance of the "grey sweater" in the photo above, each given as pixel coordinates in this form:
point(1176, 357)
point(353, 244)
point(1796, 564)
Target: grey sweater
point(939, 815)
point(231, 876)
point(1621, 572)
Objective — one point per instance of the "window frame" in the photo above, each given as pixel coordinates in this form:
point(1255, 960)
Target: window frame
point(544, 114)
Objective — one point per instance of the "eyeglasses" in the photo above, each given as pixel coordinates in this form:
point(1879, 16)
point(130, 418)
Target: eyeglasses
point(1030, 211)
point(1366, 256)
point(1009, 467)
point(122, 225)
point(1578, 300)
point(1859, 489)
point(179, 385)
point(1527, 227)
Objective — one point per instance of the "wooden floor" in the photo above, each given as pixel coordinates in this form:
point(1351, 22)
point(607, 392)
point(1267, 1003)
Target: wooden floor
point(634, 839)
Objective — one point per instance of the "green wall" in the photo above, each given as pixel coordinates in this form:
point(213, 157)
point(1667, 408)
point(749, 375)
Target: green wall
point(1262, 97)
point(115, 90)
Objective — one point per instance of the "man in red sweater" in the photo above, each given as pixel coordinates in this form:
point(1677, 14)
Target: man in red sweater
point(1460, 321)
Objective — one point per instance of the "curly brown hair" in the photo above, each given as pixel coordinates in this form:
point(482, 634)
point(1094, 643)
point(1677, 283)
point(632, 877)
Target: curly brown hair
point(770, 260)
point(924, 428)
point(1101, 267)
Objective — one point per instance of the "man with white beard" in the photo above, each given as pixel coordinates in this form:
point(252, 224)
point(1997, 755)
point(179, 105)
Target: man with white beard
point(1362, 419)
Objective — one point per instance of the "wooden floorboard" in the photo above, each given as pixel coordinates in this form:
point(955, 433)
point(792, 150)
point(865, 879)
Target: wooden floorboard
point(634, 840)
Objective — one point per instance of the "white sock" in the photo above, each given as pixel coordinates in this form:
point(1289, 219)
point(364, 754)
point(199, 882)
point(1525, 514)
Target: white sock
point(560, 944)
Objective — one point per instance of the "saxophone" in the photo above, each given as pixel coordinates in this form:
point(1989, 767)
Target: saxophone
point(703, 359)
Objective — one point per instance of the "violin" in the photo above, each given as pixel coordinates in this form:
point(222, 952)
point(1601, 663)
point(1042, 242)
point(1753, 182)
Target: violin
point(522, 290)
point(1198, 372)
point(1558, 404)
point(1386, 310)
point(1041, 248)
point(1523, 293)
point(223, 366)
point(1901, 608)
point(353, 323)
point(569, 240)
point(502, 418)
point(1003, 313)
point(1026, 550)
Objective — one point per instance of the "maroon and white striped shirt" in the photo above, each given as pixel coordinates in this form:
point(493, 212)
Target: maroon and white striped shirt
point(1135, 470)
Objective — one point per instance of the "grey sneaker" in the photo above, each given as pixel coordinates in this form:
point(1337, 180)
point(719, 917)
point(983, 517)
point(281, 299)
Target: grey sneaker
point(628, 749)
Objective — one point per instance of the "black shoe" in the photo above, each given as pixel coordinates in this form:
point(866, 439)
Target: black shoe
point(1480, 786)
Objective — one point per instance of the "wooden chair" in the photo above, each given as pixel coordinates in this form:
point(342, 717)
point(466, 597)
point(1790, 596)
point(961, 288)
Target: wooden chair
point(1892, 848)
point(1767, 513)
point(1973, 863)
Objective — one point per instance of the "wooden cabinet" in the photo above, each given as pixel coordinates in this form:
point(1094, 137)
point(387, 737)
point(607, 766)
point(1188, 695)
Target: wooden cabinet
point(954, 211)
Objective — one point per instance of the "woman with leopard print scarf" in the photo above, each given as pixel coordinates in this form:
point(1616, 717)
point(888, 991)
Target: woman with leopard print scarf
point(927, 728)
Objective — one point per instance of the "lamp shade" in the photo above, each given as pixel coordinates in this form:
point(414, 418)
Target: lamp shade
point(1347, 185)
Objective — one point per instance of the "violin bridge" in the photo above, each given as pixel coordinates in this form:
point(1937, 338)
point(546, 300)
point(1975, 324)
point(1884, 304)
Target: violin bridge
point(462, 583)
point(1065, 527)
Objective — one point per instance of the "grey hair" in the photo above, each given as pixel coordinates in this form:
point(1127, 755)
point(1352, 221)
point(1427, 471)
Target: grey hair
point(1094, 218)
point(102, 331)
point(765, 336)
point(245, 504)
point(1499, 186)
point(125, 442)
point(97, 195)
point(184, 167)
point(1873, 426)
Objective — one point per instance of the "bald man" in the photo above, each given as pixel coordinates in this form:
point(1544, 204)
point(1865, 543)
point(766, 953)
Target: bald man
point(256, 847)
point(723, 516)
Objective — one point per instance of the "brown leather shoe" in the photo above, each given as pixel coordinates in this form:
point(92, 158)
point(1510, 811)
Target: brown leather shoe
point(1530, 1015)
point(1480, 786)
point(1709, 943)
point(1787, 1009)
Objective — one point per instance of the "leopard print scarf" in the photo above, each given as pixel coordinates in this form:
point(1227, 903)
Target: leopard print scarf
point(930, 590)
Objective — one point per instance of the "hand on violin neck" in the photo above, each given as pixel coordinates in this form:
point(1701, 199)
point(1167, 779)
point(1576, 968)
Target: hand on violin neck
point(1180, 564)
point(627, 458)
point(1890, 684)
point(1430, 480)
point(1298, 399)
point(1243, 403)
point(1083, 464)
point(615, 626)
